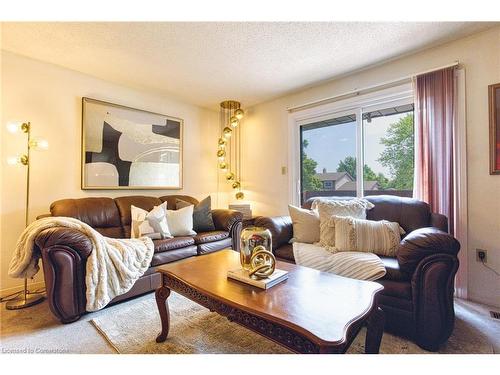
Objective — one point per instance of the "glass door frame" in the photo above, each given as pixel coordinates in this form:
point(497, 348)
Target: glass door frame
point(393, 96)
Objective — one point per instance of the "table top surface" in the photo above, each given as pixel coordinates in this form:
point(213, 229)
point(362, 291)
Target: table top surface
point(312, 302)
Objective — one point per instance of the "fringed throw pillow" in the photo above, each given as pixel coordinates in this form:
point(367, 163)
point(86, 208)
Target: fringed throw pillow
point(355, 208)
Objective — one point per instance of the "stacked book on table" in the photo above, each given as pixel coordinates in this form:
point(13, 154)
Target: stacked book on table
point(243, 208)
point(266, 283)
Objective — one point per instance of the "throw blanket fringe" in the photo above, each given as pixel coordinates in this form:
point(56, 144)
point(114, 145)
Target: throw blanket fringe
point(112, 268)
point(356, 265)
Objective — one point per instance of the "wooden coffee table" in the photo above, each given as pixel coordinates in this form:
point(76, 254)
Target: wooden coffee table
point(311, 312)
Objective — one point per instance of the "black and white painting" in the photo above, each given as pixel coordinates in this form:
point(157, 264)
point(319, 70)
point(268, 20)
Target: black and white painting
point(126, 148)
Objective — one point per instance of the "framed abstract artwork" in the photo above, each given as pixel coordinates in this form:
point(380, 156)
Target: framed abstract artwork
point(127, 148)
point(494, 107)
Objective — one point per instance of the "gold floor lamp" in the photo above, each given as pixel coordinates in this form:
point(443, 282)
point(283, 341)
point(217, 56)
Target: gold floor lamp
point(25, 298)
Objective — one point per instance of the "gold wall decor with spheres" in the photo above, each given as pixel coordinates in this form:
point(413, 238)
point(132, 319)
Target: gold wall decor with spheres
point(229, 144)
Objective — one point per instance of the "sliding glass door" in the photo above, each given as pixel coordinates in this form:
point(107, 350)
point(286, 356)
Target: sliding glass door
point(388, 151)
point(380, 136)
point(328, 157)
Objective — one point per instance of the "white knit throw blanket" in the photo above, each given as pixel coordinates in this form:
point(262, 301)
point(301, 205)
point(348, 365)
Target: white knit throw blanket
point(112, 268)
point(356, 265)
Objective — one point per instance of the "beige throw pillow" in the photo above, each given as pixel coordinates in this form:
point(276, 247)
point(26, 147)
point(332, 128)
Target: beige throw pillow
point(379, 237)
point(152, 224)
point(305, 224)
point(327, 208)
point(180, 222)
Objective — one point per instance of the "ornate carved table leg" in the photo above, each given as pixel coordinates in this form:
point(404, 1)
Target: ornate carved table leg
point(374, 331)
point(161, 295)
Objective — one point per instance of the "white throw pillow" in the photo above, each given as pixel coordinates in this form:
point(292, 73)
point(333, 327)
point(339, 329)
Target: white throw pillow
point(152, 224)
point(327, 208)
point(180, 222)
point(368, 236)
point(305, 224)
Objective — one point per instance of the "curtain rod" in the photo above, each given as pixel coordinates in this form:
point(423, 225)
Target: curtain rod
point(368, 89)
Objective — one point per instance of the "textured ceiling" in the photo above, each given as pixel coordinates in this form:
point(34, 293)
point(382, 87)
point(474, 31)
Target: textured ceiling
point(204, 63)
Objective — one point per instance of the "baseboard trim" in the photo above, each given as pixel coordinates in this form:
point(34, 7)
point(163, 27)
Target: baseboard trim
point(31, 286)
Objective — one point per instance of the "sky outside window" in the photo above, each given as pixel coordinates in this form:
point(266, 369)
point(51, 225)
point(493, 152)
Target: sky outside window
point(331, 144)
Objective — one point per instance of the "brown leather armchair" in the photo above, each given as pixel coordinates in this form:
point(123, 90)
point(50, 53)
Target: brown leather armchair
point(65, 251)
point(419, 285)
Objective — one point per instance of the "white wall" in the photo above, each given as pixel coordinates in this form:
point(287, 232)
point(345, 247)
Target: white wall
point(265, 144)
point(50, 97)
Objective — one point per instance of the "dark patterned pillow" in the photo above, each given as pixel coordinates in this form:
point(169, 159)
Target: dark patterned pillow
point(202, 214)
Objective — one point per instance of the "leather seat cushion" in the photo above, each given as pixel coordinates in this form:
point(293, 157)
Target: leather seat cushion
point(173, 255)
point(393, 272)
point(210, 247)
point(169, 244)
point(285, 252)
point(204, 237)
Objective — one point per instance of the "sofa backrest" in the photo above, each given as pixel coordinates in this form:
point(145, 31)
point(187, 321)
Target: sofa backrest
point(124, 204)
point(410, 213)
point(100, 213)
point(111, 217)
point(172, 200)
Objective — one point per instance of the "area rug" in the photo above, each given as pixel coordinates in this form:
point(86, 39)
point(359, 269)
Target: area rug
point(133, 327)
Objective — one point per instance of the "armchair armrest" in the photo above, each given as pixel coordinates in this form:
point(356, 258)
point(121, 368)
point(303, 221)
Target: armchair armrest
point(64, 256)
point(65, 237)
point(422, 243)
point(230, 221)
point(280, 227)
point(432, 286)
point(225, 219)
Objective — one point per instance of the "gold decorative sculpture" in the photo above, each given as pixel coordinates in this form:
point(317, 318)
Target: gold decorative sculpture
point(262, 263)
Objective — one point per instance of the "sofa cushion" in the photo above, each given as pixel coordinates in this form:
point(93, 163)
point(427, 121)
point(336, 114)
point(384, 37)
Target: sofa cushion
point(173, 255)
point(305, 224)
point(211, 236)
point(172, 200)
point(368, 236)
point(280, 227)
point(285, 252)
point(410, 213)
point(210, 247)
point(354, 208)
point(152, 224)
point(202, 214)
point(169, 244)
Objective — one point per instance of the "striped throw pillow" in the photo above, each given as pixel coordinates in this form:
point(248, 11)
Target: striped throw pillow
point(327, 208)
point(378, 237)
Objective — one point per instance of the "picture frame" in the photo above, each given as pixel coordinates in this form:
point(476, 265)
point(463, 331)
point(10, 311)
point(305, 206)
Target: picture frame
point(494, 111)
point(125, 148)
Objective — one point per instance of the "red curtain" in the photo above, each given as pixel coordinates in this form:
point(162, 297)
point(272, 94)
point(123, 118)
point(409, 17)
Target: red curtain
point(435, 120)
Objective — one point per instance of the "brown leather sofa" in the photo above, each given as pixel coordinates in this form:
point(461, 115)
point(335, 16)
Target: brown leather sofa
point(64, 251)
point(418, 288)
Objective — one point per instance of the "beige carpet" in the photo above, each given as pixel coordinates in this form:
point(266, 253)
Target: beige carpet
point(194, 329)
